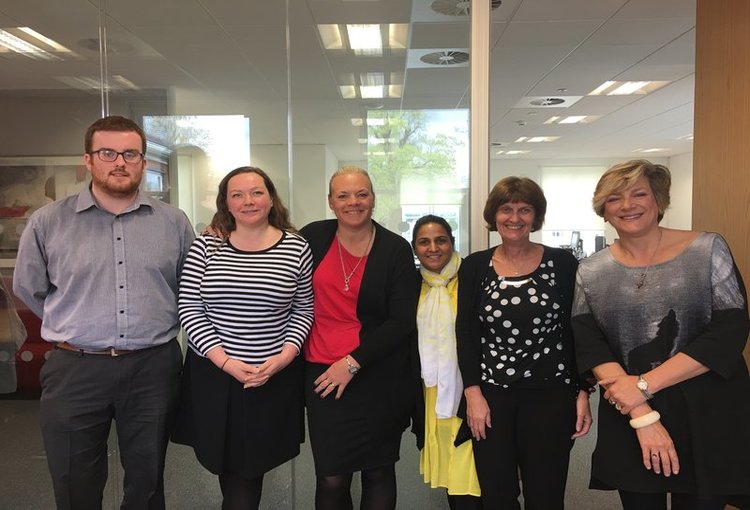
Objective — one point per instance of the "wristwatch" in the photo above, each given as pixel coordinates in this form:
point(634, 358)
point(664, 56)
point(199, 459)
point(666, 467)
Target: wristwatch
point(353, 369)
point(642, 385)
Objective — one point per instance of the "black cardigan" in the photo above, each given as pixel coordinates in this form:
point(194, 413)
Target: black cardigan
point(386, 309)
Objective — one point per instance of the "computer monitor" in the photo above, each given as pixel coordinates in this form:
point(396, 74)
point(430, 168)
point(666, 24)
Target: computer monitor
point(575, 236)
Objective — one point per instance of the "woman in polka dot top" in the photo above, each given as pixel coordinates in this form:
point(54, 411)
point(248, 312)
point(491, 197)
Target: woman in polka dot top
point(524, 402)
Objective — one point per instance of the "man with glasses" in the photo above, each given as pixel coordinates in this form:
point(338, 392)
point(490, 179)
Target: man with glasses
point(101, 269)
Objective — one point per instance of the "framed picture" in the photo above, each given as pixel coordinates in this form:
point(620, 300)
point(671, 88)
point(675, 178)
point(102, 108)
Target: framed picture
point(28, 183)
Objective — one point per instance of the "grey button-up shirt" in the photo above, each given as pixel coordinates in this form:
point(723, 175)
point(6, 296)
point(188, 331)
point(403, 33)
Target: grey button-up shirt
point(101, 280)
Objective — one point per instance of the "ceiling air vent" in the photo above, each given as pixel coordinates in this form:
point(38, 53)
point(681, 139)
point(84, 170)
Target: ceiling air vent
point(457, 7)
point(445, 58)
point(547, 101)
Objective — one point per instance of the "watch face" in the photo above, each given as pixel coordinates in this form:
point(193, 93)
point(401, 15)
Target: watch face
point(642, 384)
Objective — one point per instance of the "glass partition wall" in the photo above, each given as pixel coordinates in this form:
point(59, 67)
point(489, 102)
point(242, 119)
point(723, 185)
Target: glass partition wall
point(296, 87)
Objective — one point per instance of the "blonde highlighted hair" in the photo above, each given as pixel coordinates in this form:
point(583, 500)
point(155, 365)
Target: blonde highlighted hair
point(623, 175)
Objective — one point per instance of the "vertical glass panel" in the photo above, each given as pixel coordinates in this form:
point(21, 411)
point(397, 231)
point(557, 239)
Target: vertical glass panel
point(576, 87)
point(49, 94)
point(384, 86)
point(581, 86)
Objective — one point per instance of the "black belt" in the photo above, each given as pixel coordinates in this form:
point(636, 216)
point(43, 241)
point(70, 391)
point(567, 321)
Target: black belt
point(65, 346)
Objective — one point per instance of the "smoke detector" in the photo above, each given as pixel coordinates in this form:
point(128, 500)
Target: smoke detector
point(457, 7)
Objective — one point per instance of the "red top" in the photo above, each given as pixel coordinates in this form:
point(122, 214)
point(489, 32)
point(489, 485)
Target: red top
point(335, 330)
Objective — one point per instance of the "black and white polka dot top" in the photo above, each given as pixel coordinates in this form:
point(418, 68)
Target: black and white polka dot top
point(522, 333)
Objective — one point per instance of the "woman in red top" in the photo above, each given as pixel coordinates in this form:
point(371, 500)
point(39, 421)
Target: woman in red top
point(358, 391)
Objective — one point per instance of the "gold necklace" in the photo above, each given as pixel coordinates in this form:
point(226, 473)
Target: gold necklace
point(348, 277)
point(516, 270)
point(642, 278)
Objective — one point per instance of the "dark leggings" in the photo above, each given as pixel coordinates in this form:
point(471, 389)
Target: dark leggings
point(645, 501)
point(378, 490)
point(240, 493)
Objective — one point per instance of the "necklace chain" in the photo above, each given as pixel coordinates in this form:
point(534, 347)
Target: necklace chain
point(642, 277)
point(348, 277)
point(516, 269)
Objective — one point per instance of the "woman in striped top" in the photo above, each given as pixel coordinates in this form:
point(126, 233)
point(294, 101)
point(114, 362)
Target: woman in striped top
point(246, 304)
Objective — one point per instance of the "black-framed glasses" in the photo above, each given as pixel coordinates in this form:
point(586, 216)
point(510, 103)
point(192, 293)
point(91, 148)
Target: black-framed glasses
point(110, 155)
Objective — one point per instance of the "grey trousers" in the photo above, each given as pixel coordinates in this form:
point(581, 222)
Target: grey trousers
point(81, 395)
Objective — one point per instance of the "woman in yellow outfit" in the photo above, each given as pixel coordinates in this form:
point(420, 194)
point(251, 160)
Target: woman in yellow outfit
point(435, 423)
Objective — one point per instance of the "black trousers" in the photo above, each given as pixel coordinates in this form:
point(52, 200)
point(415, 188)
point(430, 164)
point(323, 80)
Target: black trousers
point(644, 501)
point(530, 432)
point(81, 395)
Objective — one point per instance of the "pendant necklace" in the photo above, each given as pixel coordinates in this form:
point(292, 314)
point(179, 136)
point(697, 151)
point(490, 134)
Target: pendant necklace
point(642, 277)
point(348, 277)
point(516, 270)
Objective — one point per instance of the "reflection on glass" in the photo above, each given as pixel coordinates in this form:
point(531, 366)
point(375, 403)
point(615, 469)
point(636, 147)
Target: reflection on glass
point(200, 150)
point(419, 164)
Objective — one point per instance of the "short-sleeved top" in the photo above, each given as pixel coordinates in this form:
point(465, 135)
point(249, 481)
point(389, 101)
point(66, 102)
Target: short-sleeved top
point(693, 304)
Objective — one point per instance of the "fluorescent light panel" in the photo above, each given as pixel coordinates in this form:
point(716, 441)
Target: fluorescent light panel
point(330, 35)
point(365, 37)
point(623, 88)
point(572, 119)
point(653, 149)
point(18, 45)
point(512, 152)
point(46, 40)
point(536, 139)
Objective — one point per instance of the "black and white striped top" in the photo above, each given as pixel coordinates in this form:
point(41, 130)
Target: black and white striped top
point(250, 303)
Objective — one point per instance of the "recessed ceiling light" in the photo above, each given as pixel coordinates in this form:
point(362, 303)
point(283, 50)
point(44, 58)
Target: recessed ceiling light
point(25, 48)
point(536, 139)
point(362, 39)
point(371, 91)
point(572, 119)
point(653, 149)
point(623, 88)
point(688, 136)
point(365, 37)
point(514, 152)
point(44, 39)
point(330, 35)
point(348, 91)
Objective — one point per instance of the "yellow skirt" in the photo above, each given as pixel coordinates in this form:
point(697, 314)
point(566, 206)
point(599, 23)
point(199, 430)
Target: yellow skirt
point(441, 463)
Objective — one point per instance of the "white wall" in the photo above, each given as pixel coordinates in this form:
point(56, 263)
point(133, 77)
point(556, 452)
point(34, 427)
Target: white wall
point(566, 197)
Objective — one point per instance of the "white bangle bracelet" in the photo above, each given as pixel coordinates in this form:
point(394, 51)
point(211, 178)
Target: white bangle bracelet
point(645, 420)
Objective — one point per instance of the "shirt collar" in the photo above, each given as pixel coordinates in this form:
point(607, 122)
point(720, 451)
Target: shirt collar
point(86, 201)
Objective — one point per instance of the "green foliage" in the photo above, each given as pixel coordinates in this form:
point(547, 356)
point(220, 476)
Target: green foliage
point(401, 145)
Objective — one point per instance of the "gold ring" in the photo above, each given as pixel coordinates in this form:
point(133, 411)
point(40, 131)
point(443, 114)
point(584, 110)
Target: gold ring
point(618, 407)
point(612, 401)
point(654, 454)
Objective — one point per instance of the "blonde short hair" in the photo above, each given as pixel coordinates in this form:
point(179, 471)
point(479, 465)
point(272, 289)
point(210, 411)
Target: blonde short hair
point(623, 175)
point(347, 170)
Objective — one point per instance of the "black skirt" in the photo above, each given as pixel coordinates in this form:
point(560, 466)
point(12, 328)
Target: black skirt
point(246, 432)
point(353, 433)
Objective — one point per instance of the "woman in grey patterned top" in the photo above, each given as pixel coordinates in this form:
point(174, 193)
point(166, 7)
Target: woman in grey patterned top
point(660, 320)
